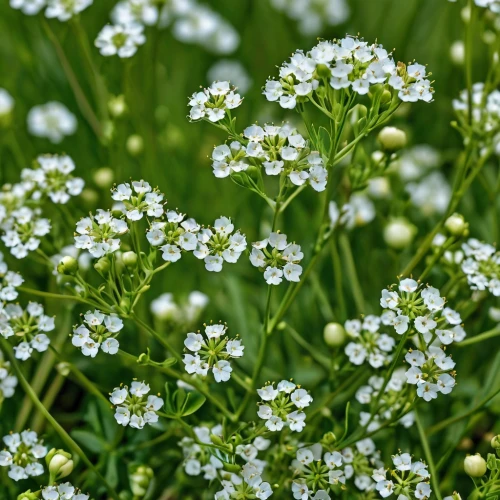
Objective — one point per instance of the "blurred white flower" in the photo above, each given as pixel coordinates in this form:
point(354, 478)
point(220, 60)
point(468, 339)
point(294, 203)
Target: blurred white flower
point(52, 120)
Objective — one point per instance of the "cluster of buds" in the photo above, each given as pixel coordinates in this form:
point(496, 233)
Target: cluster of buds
point(212, 352)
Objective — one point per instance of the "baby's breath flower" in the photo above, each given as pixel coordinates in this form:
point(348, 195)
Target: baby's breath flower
point(482, 266)
point(62, 491)
point(121, 40)
point(64, 10)
point(100, 332)
point(132, 406)
point(8, 381)
point(9, 281)
point(359, 211)
point(22, 454)
point(214, 103)
point(212, 351)
point(282, 261)
point(52, 120)
point(139, 199)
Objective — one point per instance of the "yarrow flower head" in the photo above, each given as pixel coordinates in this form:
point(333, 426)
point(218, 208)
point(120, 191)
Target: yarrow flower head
point(351, 64)
point(26, 326)
point(64, 491)
point(214, 103)
point(174, 236)
point(281, 261)
point(219, 243)
point(139, 199)
point(482, 266)
point(369, 344)
point(411, 479)
point(52, 177)
point(99, 331)
point(278, 151)
point(9, 281)
point(64, 10)
point(99, 233)
point(212, 352)
point(8, 381)
point(52, 120)
point(282, 406)
point(22, 453)
point(120, 39)
point(133, 407)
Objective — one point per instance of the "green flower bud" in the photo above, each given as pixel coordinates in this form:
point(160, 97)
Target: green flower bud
point(29, 495)
point(475, 465)
point(495, 442)
point(399, 233)
point(135, 145)
point(140, 480)
point(329, 438)
point(117, 106)
point(68, 265)
point(455, 225)
point(130, 259)
point(103, 265)
point(89, 196)
point(323, 71)
point(334, 334)
point(103, 177)
point(63, 368)
point(60, 463)
point(392, 138)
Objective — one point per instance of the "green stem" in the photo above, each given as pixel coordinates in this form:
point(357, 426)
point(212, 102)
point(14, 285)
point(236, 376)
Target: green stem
point(482, 336)
point(352, 274)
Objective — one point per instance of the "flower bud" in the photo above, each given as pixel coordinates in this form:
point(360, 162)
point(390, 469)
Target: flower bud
point(455, 224)
point(399, 233)
point(130, 259)
point(135, 145)
point(89, 196)
point(102, 266)
point(103, 177)
point(140, 480)
point(392, 138)
point(29, 495)
point(334, 334)
point(495, 442)
point(475, 465)
point(323, 71)
point(60, 463)
point(117, 106)
point(68, 265)
point(63, 368)
point(457, 52)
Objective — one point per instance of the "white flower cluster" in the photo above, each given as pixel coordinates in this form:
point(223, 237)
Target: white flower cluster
point(58, 9)
point(186, 313)
point(276, 150)
point(276, 405)
point(139, 199)
point(281, 261)
point(52, 121)
point(247, 484)
point(411, 479)
point(493, 5)
point(369, 343)
point(132, 406)
point(22, 454)
point(9, 281)
point(319, 474)
point(100, 332)
point(53, 178)
point(8, 381)
point(120, 39)
point(343, 64)
point(26, 326)
point(212, 352)
point(214, 103)
point(313, 16)
point(482, 266)
point(64, 491)
point(359, 211)
point(99, 233)
point(391, 404)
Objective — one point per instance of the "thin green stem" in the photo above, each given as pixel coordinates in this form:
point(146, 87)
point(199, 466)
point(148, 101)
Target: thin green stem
point(494, 332)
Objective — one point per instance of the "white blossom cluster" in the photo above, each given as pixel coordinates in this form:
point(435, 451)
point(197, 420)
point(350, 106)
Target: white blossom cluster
point(212, 352)
point(139, 199)
point(482, 266)
point(52, 121)
point(180, 314)
point(278, 151)
point(133, 408)
point(369, 344)
point(58, 9)
point(247, 484)
point(64, 491)
point(53, 178)
point(349, 63)
point(493, 5)
point(313, 16)
point(98, 332)
point(99, 233)
point(358, 212)
point(391, 403)
point(411, 479)
point(214, 103)
point(9, 281)
point(22, 454)
point(27, 326)
point(318, 474)
point(120, 39)
point(8, 381)
point(282, 261)
point(278, 405)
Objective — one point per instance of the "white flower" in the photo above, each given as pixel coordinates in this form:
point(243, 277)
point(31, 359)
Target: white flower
point(52, 121)
point(63, 10)
point(28, 7)
point(121, 40)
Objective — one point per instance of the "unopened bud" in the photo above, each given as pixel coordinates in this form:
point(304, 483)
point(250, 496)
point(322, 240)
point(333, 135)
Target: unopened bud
point(28, 495)
point(399, 233)
point(495, 442)
point(392, 138)
point(140, 480)
point(68, 265)
point(457, 52)
point(334, 334)
point(60, 463)
point(455, 224)
point(135, 145)
point(130, 259)
point(475, 465)
point(89, 196)
point(103, 177)
point(117, 106)
point(102, 266)
point(63, 368)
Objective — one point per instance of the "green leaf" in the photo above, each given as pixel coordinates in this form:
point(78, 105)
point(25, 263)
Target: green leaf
point(90, 441)
point(194, 401)
point(112, 471)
